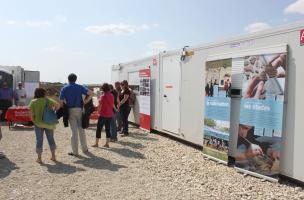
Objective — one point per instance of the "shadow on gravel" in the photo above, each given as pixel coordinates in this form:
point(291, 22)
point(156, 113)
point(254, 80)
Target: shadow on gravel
point(95, 162)
point(127, 153)
point(6, 167)
point(131, 144)
point(61, 168)
point(141, 136)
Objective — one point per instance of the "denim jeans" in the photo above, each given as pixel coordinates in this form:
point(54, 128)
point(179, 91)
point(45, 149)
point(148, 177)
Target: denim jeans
point(124, 112)
point(103, 121)
point(39, 138)
point(113, 127)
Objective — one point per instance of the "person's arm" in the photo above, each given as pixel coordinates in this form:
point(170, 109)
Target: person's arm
point(89, 94)
point(54, 104)
point(31, 106)
point(61, 97)
point(126, 97)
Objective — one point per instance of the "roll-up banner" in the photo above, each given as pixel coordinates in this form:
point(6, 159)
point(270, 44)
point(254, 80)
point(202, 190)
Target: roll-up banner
point(144, 99)
point(261, 114)
point(217, 109)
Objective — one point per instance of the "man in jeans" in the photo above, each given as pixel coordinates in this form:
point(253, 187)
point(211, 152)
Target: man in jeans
point(71, 94)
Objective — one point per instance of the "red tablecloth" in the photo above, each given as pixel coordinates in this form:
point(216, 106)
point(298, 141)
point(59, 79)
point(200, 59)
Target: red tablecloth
point(94, 115)
point(18, 114)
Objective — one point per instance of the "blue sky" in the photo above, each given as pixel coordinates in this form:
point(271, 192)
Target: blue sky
point(86, 37)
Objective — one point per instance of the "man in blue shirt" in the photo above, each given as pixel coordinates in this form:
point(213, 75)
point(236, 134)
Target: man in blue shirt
point(72, 96)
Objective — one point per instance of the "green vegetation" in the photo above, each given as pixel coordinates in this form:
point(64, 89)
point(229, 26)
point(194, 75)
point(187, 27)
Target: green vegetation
point(209, 122)
point(215, 153)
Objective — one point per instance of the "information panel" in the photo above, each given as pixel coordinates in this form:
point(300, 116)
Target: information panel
point(217, 109)
point(144, 99)
point(261, 114)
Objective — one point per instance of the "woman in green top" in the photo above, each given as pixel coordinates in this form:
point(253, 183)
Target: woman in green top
point(37, 106)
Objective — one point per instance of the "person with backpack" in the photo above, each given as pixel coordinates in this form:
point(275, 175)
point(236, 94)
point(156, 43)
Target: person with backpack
point(124, 106)
point(37, 107)
point(105, 110)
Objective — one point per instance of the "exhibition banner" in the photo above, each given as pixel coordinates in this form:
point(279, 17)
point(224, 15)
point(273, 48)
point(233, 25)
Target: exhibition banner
point(144, 99)
point(217, 109)
point(261, 114)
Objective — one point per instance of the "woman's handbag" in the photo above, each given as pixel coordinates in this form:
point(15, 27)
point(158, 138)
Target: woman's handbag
point(49, 115)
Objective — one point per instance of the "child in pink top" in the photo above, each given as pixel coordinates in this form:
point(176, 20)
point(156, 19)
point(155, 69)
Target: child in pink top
point(105, 110)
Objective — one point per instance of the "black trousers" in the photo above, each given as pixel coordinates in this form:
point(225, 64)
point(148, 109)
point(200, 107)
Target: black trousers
point(4, 105)
point(103, 121)
point(124, 113)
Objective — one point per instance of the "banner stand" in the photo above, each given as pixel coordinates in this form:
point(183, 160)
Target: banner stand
point(219, 161)
point(245, 172)
point(145, 130)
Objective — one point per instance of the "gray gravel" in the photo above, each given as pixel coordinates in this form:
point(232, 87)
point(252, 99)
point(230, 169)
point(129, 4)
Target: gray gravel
point(142, 166)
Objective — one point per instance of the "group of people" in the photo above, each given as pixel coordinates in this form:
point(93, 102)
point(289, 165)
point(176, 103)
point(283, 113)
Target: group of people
point(210, 88)
point(113, 107)
point(218, 144)
point(8, 95)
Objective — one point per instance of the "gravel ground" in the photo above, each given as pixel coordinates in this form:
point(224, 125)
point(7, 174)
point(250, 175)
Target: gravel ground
point(142, 166)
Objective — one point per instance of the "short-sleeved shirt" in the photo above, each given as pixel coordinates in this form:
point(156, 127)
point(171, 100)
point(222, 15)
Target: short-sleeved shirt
point(107, 102)
point(124, 92)
point(37, 107)
point(20, 95)
point(6, 93)
point(72, 94)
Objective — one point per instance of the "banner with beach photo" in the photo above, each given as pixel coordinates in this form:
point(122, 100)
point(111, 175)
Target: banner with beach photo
point(261, 114)
point(217, 109)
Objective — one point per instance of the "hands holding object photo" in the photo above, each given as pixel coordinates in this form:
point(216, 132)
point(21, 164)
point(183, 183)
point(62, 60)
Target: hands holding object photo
point(256, 85)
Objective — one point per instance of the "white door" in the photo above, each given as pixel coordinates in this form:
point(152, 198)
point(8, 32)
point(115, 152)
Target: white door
point(171, 94)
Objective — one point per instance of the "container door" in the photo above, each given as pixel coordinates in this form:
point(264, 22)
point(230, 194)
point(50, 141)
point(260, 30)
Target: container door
point(171, 94)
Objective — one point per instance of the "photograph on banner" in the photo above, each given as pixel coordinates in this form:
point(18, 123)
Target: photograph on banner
point(261, 114)
point(217, 108)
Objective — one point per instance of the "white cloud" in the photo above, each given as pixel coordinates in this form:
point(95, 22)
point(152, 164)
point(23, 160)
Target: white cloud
point(255, 27)
point(295, 8)
point(54, 49)
point(118, 29)
point(11, 22)
point(38, 24)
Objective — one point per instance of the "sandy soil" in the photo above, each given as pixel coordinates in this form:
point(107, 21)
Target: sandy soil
point(142, 166)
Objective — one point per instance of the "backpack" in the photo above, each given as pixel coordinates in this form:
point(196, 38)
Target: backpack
point(132, 98)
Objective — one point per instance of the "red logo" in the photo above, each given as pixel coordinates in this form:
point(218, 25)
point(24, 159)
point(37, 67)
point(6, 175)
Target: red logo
point(154, 61)
point(302, 37)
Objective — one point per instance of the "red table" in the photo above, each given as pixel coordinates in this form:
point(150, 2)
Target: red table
point(94, 115)
point(21, 114)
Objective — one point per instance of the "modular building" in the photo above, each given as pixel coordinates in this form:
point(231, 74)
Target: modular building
point(179, 80)
point(30, 79)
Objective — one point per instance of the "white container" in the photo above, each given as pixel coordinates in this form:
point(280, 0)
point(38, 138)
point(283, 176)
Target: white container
point(178, 89)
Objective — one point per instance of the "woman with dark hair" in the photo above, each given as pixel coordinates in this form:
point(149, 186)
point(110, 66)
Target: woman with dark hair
point(37, 106)
point(124, 106)
point(105, 110)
